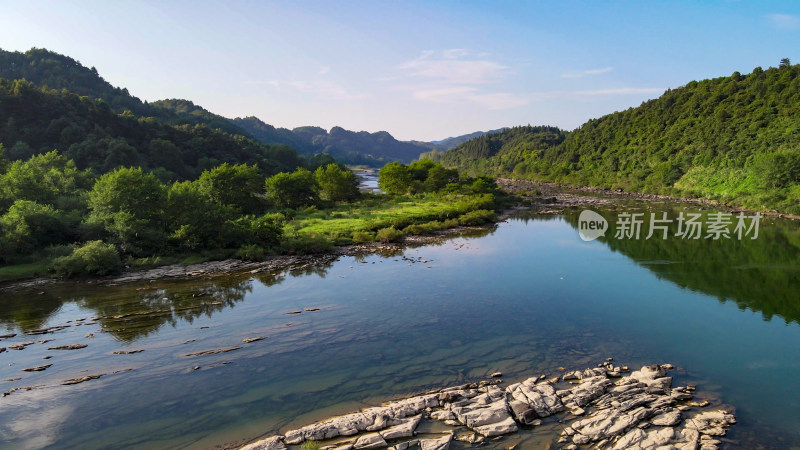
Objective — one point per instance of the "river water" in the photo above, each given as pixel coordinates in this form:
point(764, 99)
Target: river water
point(525, 297)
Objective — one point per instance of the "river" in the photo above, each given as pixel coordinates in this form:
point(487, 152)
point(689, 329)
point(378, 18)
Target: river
point(527, 296)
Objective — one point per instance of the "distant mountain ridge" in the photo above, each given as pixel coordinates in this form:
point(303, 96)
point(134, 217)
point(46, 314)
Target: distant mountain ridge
point(351, 147)
point(452, 142)
point(46, 68)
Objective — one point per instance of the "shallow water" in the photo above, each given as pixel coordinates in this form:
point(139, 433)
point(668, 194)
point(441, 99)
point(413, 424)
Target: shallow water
point(524, 299)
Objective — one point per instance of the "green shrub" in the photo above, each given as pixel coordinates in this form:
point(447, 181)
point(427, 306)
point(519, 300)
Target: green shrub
point(301, 244)
point(310, 445)
point(450, 223)
point(363, 236)
point(93, 258)
point(424, 228)
point(250, 252)
point(477, 217)
point(390, 234)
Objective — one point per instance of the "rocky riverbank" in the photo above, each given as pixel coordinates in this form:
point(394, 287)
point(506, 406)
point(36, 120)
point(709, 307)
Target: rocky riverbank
point(603, 407)
point(553, 197)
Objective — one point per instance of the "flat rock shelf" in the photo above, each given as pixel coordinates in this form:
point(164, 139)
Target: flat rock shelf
point(600, 407)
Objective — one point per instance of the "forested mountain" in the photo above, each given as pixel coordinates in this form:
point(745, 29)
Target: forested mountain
point(37, 120)
point(375, 149)
point(54, 71)
point(499, 152)
point(734, 138)
point(58, 72)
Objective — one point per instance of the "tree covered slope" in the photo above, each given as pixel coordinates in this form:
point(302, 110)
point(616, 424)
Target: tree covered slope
point(735, 139)
point(500, 152)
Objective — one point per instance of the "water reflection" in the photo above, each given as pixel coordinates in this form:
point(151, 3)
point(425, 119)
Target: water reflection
point(132, 311)
point(762, 275)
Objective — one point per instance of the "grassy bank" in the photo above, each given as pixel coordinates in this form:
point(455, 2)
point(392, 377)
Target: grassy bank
point(375, 217)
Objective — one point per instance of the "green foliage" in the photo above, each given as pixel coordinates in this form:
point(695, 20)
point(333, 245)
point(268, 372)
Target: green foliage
point(292, 190)
point(103, 128)
point(420, 176)
point(3, 160)
point(335, 184)
point(778, 169)
point(129, 204)
point(234, 186)
point(251, 252)
point(48, 178)
point(394, 178)
point(194, 219)
point(426, 228)
point(306, 243)
point(93, 258)
point(363, 237)
point(499, 152)
point(28, 226)
point(477, 217)
point(310, 445)
point(741, 132)
point(389, 234)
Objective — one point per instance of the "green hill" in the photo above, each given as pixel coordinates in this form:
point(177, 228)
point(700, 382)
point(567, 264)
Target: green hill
point(734, 139)
point(37, 120)
point(498, 153)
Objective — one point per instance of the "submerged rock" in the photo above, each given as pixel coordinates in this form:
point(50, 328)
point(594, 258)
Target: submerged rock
point(214, 352)
point(68, 347)
point(37, 368)
point(83, 379)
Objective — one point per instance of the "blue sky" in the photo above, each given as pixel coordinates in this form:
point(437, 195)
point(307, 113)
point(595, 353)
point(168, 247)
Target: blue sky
point(420, 70)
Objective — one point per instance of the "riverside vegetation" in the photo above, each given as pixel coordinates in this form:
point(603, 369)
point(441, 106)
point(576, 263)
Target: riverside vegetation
point(734, 139)
point(59, 219)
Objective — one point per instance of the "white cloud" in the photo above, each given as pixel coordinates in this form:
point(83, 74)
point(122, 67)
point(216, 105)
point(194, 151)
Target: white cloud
point(324, 70)
point(455, 76)
point(456, 66)
point(323, 89)
point(587, 72)
point(785, 21)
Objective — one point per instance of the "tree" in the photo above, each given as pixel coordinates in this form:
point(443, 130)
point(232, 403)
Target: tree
point(395, 178)
point(47, 179)
point(292, 190)
point(29, 226)
point(129, 204)
point(235, 186)
point(336, 184)
point(785, 63)
point(3, 160)
point(439, 177)
point(194, 220)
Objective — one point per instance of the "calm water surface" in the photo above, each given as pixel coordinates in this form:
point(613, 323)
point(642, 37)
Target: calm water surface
point(525, 298)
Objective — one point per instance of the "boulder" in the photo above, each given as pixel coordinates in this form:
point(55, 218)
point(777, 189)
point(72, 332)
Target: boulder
point(442, 443)
point(270, 443)
point(371, 440)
